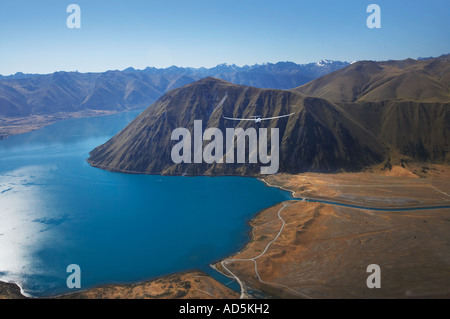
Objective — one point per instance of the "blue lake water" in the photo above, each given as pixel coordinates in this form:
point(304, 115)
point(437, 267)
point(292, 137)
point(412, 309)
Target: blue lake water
point(56, 210)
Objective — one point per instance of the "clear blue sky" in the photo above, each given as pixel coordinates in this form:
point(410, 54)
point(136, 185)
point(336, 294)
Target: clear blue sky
point(117, 34)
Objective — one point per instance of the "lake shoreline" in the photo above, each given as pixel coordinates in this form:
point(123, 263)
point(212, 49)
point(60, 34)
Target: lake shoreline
point(11, 126)
point(75, 130)
point(254, 240)
point(245, 245)
point(182, 285)
point(296, 186)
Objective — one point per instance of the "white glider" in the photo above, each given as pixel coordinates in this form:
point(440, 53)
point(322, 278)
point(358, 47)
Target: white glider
point(258, 119)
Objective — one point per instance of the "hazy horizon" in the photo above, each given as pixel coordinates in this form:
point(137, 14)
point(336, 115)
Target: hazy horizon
point(182, 67)
point(217, 65)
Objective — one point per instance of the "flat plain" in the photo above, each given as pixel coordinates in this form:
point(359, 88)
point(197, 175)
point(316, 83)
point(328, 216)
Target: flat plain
point(305, 249)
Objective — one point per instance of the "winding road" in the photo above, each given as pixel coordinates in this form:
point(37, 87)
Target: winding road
point(244, 293)
point(243, 287)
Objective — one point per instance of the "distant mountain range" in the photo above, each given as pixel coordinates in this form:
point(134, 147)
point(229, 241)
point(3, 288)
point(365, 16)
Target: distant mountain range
point(347, 120)
point(31, 94)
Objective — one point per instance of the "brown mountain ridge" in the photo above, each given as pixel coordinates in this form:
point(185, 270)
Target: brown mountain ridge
point(345, 121)
point(405, 104)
